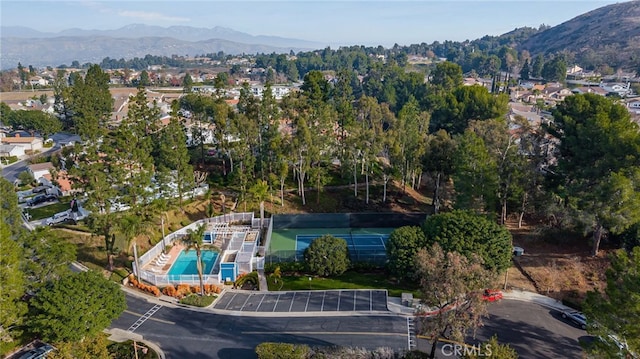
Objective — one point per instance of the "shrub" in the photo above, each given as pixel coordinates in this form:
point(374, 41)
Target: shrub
point(144, 287)
point(282, 351)
point(247, 278)
point(197, 300)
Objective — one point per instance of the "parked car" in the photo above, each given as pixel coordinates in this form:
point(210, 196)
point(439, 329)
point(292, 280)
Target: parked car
point(58, 218)
point(39, 189)
point(576, 317)
point(492, 295)
point(37, 353)
point(41, 198)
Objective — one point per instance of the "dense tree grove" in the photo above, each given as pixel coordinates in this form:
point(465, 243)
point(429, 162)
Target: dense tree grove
point(614, 313)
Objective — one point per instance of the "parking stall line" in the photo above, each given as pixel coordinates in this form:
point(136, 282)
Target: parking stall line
point(261, 300)
point(276, 305)
point(292, 299)
point(370, 300)
point(245, 302)
point(307, 305)
point(339, 295)
point(355, 298)
point(324, 294)
point(231, 301)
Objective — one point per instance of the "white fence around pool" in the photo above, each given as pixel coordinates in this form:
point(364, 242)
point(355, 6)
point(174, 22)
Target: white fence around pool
point(211, 278)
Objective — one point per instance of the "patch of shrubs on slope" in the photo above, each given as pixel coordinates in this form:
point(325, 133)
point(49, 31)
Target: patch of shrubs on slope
point(301, 351)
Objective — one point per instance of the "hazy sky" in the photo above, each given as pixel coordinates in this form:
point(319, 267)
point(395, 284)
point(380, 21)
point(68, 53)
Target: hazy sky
point(329, 22)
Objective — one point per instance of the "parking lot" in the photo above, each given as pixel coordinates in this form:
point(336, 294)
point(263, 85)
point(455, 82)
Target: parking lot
point(304, 301)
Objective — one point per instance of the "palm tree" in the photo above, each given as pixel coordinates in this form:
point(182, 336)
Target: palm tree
point(259, 192)
point(194, 240)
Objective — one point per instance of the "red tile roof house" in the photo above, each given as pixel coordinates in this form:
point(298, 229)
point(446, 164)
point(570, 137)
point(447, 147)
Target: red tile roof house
point(28, 143)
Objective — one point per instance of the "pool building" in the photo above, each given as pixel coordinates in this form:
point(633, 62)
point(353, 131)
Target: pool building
point(230, 247)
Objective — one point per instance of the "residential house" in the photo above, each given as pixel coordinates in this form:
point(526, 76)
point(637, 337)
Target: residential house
point(590, 89)
point(620, 89)
point(11, 150)
point(28, 143)
point(40, 170)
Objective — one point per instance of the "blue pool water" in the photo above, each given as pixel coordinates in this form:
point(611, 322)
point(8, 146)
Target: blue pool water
point(186, 263)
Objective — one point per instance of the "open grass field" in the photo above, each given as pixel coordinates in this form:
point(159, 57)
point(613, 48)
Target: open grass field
point(47, 211)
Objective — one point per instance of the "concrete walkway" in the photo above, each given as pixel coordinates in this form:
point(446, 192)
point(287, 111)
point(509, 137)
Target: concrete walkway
point(264, 287)
point(532, 297)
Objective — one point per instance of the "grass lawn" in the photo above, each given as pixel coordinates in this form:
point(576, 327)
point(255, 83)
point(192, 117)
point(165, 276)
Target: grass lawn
point(348, 280)
point(48, 211)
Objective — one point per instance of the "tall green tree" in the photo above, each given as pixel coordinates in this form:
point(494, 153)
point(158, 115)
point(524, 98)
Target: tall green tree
point(172, 160)
point(538, 64)
point(91, 103)
point(12, 282)
point(598, 163)
point(451, 285)
point(194, 241)
point(327, 256)
point(615, 311)
point(438, 162)
point(75, 307)
point(402, 247)
point(412, 127)
point(47, 258)
point(34, 121)
point(471, 234)
point(474, 174)
point(133, 143)
point(445, 77)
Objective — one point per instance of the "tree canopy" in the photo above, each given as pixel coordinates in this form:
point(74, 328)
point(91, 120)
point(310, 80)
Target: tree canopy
point(469, 234)
point(327, 256)
point(402, 246)
point(615, 312)
point(451, 285)
point(598, 169)
point(76, 306)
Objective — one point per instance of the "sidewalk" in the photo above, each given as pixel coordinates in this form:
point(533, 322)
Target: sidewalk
point(532, 297)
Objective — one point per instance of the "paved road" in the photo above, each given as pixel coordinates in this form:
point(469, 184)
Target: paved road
point(12, 171)
point(186, 334)
point(532, 330)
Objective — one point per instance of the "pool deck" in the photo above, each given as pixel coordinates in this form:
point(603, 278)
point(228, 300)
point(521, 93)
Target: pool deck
point(164, 269)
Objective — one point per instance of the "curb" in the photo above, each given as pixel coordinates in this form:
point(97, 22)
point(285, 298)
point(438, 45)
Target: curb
point(120, 335)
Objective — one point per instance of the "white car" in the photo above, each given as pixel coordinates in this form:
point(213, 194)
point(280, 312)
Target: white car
point(59, 218)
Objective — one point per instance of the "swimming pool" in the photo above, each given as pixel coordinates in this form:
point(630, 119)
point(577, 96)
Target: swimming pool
point(186, 263)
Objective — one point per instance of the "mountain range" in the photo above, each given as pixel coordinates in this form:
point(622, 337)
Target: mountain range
point(607, 35)
point(29, 46)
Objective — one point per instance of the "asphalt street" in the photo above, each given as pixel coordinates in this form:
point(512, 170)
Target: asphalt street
point(532, 330)
point(183, 333)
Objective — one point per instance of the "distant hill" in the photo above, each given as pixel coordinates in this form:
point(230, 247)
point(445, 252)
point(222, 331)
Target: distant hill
point(610, 34)
point(28, 46)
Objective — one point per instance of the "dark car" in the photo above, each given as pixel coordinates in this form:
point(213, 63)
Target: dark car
point(38, 353)
point(576, 317)
point(41, 198)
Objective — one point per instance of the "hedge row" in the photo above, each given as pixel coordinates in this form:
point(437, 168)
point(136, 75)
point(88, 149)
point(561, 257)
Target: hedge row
point(183, 290)
point(147, 288)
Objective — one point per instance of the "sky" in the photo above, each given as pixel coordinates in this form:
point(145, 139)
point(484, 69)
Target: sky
point(333, 23)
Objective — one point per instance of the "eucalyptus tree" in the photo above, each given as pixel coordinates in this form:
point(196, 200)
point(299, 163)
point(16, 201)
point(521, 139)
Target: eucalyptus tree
point(412, 127)
point(438, 161)
point(511, 164)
